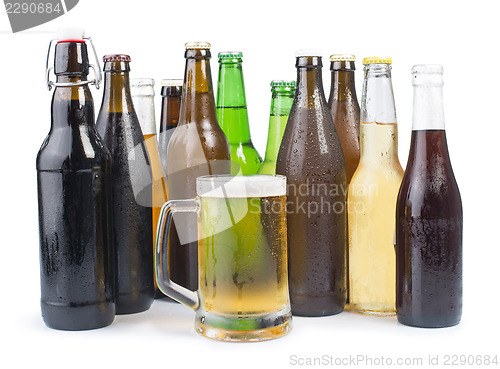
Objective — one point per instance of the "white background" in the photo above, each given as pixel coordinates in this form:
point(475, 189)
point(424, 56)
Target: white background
point(462, 36)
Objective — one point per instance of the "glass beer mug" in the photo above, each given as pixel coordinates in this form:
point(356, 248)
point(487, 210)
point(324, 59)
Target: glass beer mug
point(242, 257)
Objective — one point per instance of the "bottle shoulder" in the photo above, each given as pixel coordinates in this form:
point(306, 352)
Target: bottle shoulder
point(425, 187)
point(67, 148)
point(190, 145)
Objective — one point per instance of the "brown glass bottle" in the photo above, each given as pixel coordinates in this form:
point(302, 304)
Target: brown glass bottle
point(121, 132)
point(311, 158)
point(429, 216)
point(171, 92)
point(197, 147)
point(343, 104)
point(74, 198)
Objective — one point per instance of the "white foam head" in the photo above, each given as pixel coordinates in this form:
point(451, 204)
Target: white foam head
point(227, 186)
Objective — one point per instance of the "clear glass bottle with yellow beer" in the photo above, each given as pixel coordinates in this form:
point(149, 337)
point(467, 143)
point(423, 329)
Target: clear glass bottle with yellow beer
point(372, 196)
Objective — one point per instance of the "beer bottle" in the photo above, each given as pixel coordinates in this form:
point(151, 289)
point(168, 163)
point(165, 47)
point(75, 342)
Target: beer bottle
point(428, 216)
point(372, 196)
point(74, 194)
point(343, 104)
point(281, 102)
point(171, 92)
point(143, 98)
point(119, 127)
point(311, 158)
point(232, 114)
point(198, 147)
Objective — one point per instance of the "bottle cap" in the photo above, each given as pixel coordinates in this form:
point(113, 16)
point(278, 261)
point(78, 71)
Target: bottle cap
point(70, 34)
point(283, 84)
point(377, 60)
point(197, 45)
point(171, 82)
point(308, 52)
point(116, 57)
point(427, 69)
point(342, 57)
point(140, 82)
point(230, 54)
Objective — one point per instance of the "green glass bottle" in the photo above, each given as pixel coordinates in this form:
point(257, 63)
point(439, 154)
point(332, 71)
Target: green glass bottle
point(281, 102)
point(232, 114)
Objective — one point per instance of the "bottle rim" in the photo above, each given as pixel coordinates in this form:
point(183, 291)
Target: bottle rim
point(282, 83)
point(171, 82)
point(309, 52)
point(198, 45)
point(116, 57)
point(342, 57)
point(140, 82)
point(377, 60)
point(230, 55)
point(427, 69)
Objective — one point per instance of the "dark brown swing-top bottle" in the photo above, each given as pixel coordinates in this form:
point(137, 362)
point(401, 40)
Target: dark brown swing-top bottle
point(74, 194)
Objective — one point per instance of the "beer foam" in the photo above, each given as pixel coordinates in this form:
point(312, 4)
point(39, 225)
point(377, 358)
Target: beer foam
point(227, 186)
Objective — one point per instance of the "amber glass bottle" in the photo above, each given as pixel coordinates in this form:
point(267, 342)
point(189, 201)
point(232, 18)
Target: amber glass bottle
point(343, 104)
point(171, 92)
point(197, 147)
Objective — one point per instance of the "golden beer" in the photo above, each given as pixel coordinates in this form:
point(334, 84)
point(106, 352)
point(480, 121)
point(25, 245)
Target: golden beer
point(243, 268)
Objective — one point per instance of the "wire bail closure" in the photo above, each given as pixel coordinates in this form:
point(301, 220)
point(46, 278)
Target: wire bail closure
point(97, 71)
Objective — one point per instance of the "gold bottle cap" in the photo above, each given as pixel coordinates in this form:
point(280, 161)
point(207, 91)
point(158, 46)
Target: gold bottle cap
point(197, 45)
point(171, 82)
point(342, 57)
point(377, 60)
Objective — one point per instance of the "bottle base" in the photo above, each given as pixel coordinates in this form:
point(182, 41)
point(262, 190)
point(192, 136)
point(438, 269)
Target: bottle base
point(315, 306)
point(236, 328)
point(129, 305)
point(78, 318)
point(372, 312)
point(428, 323)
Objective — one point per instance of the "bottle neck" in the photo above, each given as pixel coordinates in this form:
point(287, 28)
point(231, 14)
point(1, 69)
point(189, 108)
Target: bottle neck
point(170, 110)
point(343, 87)
point(428, 112)
point(197, 101)
point(72, 106)
point(310, 93)
point(143, 99)
point(377, 103)
point(378, 128)
point(232, 112)
point(117, 96)
point(281, 103)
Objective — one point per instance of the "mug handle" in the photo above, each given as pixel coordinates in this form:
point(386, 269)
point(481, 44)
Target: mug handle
point(169, 288)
